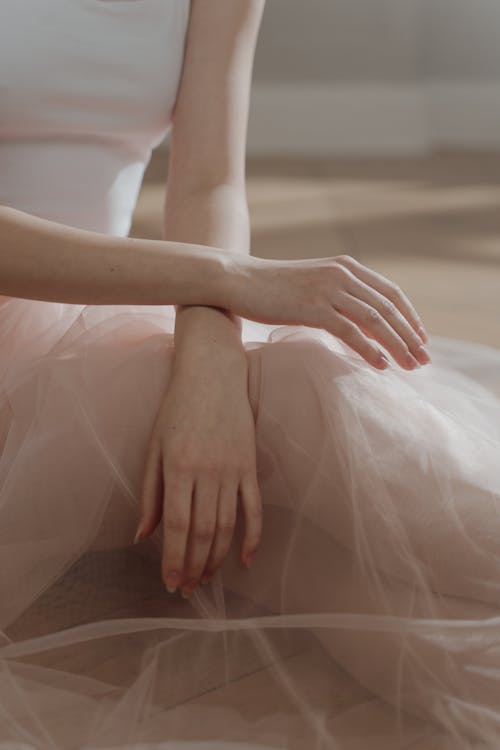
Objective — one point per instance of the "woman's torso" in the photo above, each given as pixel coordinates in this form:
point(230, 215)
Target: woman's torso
point(87, 89)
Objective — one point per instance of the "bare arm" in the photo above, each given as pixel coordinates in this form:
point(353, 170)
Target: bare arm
point(45, 260)
point(206, 198)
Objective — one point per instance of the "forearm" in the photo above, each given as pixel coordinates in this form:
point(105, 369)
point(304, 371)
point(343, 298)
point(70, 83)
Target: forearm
point(45, 260)
point(210, 216)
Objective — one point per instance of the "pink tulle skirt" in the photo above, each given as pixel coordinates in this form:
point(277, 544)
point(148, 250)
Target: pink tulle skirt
point(370, 619)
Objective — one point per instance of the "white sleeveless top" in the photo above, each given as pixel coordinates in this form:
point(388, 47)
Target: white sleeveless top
point(87, 89)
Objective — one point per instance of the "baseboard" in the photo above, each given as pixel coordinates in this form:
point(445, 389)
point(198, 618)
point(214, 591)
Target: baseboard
point(319, 120)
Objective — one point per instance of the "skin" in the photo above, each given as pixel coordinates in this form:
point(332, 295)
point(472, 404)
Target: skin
point(48, 261)
point(201, 458)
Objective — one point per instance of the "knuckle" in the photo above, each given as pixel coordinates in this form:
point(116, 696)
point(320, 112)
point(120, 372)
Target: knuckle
point(226, 524)
point(209, 469)
point(185, 465)
point(210, 464)
point(153, 453)
point(250, 473)
point(372, 316)
point(349, 334)
point(339, 272)
point(341, 324)
point(204, 533)
point(347, 259)
point(234, 468)
point(389, 307)
point(175, 523)
point(395, 293)
point(180, 464)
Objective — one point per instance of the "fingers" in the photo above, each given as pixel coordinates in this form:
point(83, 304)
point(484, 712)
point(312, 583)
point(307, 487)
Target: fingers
point(251, 501)
point(226, 521)
point(176, 522)
point(203, 529)
point(380, 319)
point(152, 493)
point(351, 335)
point(199, 518)
point(388, 289)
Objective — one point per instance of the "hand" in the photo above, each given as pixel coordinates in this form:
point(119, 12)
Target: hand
point(201, 455)
point(339, 294)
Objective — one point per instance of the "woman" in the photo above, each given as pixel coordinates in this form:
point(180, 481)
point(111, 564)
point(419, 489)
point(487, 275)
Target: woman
point(147, 386)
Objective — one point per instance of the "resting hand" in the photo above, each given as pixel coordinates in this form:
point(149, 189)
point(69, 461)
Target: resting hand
point(341, 295)
point(201, 457)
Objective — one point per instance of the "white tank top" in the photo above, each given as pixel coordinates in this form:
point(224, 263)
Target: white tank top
point(87, 89)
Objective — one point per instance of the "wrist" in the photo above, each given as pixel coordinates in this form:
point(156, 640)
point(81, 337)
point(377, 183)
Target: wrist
point(242, 273)
point(223, 362)
point(208, 333)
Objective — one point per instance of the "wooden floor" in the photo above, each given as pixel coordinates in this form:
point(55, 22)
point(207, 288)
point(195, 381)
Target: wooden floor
point(430, 224)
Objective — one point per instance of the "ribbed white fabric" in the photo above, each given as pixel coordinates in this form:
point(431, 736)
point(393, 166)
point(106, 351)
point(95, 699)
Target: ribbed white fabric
point(86, 91)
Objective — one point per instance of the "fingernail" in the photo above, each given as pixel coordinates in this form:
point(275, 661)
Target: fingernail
point(188, 589)
point(172, 582)
point(423, 355)
point(383, 361)
point(137, 535)
point(411, 361)
point(249, 560)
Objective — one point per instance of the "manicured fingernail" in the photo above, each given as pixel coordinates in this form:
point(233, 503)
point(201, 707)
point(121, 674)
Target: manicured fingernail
point(411, 361)
point(383, 361)
point(188, 589)
point(423, 355)
point(172, 582)
point(249, 560)
point(138, 534)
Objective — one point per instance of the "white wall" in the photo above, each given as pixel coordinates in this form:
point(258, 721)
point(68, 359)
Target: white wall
point(338, 40)
point(378, 40)
point(463, 40)
point(376, 76)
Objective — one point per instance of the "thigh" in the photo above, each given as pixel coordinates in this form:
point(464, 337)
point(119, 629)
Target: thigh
point(409, 492)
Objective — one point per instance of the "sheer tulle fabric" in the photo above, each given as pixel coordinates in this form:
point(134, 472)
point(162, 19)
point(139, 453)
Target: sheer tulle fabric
point(371, 616)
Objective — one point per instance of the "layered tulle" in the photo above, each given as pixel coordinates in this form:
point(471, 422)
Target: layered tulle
point(371, 616)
